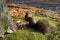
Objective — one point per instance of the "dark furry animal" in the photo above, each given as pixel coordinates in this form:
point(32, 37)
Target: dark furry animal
point(41, 25)
point(31, 22)
point(27, 18)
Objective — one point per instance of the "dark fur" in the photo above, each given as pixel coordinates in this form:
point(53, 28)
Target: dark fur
point(41, 25)
point(27, 17)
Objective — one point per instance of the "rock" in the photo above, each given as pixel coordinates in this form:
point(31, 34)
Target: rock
point(9, 31)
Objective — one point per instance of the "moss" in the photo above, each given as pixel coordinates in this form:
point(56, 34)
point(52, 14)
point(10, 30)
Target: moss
point(52, 24)
point(25, 35)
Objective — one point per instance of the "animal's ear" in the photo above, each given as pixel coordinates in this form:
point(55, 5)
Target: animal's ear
point(27, 13)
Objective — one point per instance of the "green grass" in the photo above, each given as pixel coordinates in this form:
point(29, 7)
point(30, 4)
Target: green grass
point(28, 34)
point(25, 35)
